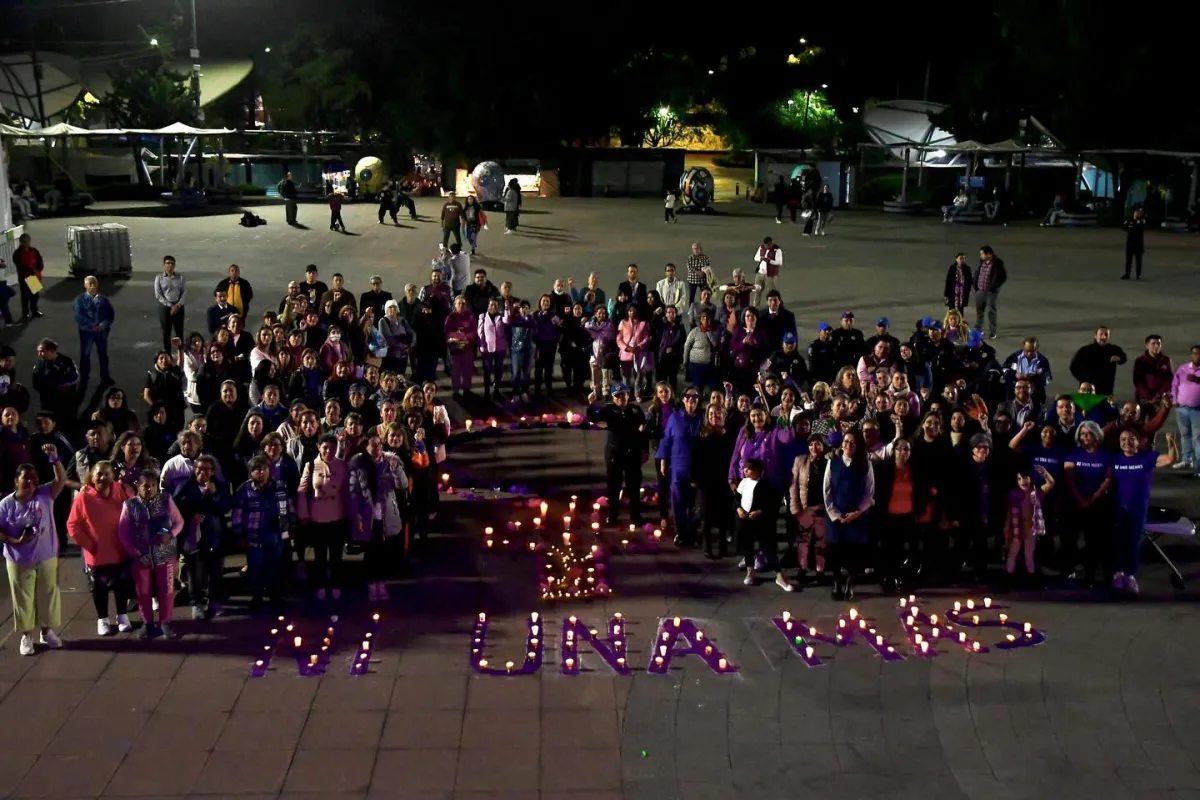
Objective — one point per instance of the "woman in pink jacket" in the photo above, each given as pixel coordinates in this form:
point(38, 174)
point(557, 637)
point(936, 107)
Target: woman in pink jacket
point(633, 337)
point(460, 339)
point(93, 525)
point(492, 332)
point(324, 509)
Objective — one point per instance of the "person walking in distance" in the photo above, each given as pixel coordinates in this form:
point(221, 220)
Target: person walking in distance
point(990, 276)
point(512, 206)
point(94, 315)
point(768, 259)
point(170, 290)
point(824, 209)
point(287, 190)
point(669, 207)
point(386, 206)
point(452, 215)
point(29, 264)
point(335, 212)
point(1135, 242)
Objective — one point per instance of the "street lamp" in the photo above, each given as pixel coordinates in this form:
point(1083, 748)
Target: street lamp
point(154, 42)
point(664, 112)
point(824, 85)
point(803, 40)
point(266, 49)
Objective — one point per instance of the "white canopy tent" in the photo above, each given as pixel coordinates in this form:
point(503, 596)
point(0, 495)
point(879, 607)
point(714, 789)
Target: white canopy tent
point(63, 129)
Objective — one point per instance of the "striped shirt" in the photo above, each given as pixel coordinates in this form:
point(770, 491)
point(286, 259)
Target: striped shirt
point(170, 290)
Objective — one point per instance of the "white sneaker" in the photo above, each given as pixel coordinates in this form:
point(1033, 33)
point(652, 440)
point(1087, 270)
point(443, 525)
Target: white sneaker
point(1182, 465)
point(123, 623)
point(783, 583)
point(372, 591)
point(381, 588)
point(198, 612)
point(320, 594)
point(27, 648)
point(749, 579)
point(50, 639)
point(104, 627)
point(1131, 584)
point(1119, 581)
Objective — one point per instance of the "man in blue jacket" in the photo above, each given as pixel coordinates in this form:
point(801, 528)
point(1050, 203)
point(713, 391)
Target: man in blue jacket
point(675, 459)
point(94, 315)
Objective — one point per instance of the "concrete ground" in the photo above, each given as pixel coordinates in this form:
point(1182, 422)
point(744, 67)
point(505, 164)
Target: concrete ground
point(1105, 708)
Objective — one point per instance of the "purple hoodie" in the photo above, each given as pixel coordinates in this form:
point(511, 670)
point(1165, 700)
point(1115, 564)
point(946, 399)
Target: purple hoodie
point(767, 446)
point(604, 337)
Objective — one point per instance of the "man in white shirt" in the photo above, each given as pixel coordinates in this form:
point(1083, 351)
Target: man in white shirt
point(767, 261)
point(673, 291)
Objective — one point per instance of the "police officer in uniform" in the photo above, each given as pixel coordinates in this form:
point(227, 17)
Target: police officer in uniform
point(626, 450)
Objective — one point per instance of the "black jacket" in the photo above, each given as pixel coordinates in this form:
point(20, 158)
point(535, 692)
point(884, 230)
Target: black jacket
point(244, 288)
point(626, 430)
point(968, 284)
point(1000, 275)
point(1093, 363)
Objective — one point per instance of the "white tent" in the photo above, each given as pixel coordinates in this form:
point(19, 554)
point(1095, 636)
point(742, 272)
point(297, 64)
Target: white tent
point(62, 129)
point(901, 125)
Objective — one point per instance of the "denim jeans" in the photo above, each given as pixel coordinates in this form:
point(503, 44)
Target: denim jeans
point(86, 340)
point(264, 568)
point(493, 371)
point(522, 360)
point(1188, 419)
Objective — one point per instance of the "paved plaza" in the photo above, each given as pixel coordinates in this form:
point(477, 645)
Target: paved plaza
point(1107, 707)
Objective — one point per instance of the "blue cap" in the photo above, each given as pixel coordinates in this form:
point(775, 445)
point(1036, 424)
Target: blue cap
point(934, 325)
point(823, 326)
point(926, 321)
point(848, 315)
point(789, 338)
point(974, 337)
point(882, 322)
point(618, 388)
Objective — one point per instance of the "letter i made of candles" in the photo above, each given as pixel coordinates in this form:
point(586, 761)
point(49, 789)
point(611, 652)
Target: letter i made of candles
point(696, 643)
point(973, 614)
point(262, 664)
point(529, 664)
point(612, 649)
point(361, 664)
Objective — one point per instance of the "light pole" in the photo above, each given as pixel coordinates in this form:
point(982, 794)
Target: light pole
point(194, 53)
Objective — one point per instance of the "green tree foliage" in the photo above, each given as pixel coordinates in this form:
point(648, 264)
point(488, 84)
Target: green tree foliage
point(308, 85)
point(147, 97)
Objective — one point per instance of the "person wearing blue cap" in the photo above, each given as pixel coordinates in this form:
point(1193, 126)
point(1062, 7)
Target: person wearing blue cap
point(938, 355)
point(788, 363)
point(625, 451)
point(883, 333)
point(849, 342)
point(822, 355)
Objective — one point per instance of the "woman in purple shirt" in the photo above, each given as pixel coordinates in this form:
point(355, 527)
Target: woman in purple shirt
point(30, 542)
point(1132, 472)
point(1089, 478)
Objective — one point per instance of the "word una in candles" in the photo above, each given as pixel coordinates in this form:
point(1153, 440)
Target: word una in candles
point(673, 630)
point(612, 648)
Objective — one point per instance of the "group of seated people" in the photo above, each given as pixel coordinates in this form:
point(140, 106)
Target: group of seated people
point(324, 430)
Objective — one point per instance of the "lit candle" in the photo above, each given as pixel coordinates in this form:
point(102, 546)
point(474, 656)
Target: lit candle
point(508, 665)
point(1011, 638)
point(862, 624)
point(258, 663)
point(487, 531)
point(482, 617)
point(1028, 627)
point(914, 610)
point(544, 506)
point(296, 641)
point(879, 640)
point(903, 602)
point(987, 602)
point(918, 638)
point(957, 606)
point(537, 521)
point(617, 615)
point(658, 661)
point(572, 619)
point(924, 647)
point(812, 631)
point(468, 423)
point(620, 661)
point(274, 631)
point(912, 598)
point(722, 664)
point(567, 521)
point(788, 625)
point(934, 633)
point(970, 604)
point(445, 477)
point(482, 663)
point(962, 637)
point(1004, 617)
point(290, 627)
point(975, 646)
point(312, 660)
point(853, 613)
point(841, 623)
point(786, 615)
point(616, 630)
point(891, 649)
point(570, 663)
point(533, 629)
point(975, 618)
point(708, 650)
point(933, 618)
point(492, 422)
point(366, 645)
point(657, 533)
point(595, 506)
point(676, 621)
point(699, 635)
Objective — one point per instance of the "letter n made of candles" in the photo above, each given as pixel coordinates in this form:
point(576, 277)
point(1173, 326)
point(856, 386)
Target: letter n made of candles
point(612, 649)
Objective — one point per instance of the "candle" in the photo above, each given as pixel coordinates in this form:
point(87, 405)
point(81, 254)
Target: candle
point(914, 610)
point(975, 618)
point(616, 630)
point(879, 640)
point(482, 663)
point(722, 664)
point(962, 637)
point(595, 526)
point(912, 598)
point(632, 527)
point(841, 623)
point(487, 531)
point(957, 606)
point(1004, 617)
point(544, 506)
point(595, 506)
point(468, 423)
point(786, 615)
point(296, 641)
point(812, 631)
point(666, 636)
point(918, 638)
point(533, 629)
point(274, 631)
point(445, 477)
point(808, 651)
point(617, 615)
point(620, 661)
point(970, 604)
point(676, 622)
point(1011, 638)
point(924, 647)
point(567, 521)
point(788, 625)
point(853, 614)
point(934, 633)
point(537, 521)
point(903, 602)
point(699, 635)
point(1028, 627)
point(987, 602)
point(258, 663)
point(508, 665)
point(708, 650)
point(312, 660)
point(492, 422)
point(290, 627)
point(933, 618)
point(975, 646)
point(570, 663)
point(658, 661)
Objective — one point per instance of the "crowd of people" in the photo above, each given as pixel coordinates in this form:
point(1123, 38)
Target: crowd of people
point(315, 425)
